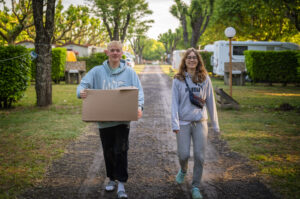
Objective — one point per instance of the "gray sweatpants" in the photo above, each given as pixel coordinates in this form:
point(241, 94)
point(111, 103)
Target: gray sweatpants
point(196, 131)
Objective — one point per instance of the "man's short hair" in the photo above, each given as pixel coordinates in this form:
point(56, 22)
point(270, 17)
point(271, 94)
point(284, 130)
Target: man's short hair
point(114, 43)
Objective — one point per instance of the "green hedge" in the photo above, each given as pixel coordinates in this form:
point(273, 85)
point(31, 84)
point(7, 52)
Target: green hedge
point(206, 58)
point(272, 66)
point(298, 68)
point(14, 74)
point(58, 63)
point(93, 60)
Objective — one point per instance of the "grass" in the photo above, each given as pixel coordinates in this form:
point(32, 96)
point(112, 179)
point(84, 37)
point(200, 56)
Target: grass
point(31, 137)
point(267, 136)
point(139, 68)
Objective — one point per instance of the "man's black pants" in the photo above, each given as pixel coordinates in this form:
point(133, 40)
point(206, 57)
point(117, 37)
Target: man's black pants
point(115, 146)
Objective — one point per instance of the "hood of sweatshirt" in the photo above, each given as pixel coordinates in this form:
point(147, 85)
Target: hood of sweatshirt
point(119, 70)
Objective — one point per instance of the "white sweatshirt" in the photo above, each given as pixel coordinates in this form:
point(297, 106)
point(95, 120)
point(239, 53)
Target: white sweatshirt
point(184, 112)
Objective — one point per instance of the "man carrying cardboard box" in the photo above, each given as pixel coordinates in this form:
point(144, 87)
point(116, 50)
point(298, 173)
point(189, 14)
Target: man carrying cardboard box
point(113, 73)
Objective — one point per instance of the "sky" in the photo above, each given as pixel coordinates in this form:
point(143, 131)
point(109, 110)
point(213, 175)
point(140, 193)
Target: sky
point(163, 19)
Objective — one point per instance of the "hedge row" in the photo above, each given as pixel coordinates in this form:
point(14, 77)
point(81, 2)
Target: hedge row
point(272, 66)
point(206, 59)
point(58, 64)
point(14, 74)
point(95, 59)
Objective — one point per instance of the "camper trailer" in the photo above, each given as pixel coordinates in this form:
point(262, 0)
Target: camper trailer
point(177, 55)
point(220, 56)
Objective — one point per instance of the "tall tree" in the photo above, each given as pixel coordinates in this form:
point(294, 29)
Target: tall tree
point(75, 25)
point(15, 20)
point(196, 16)
point(179, 10)
point(154, 50)
point(44, 26)
point(137, 37)
point(117, 15)
point(170, 41)
point(199, 12)
point(138, 44)
point(263, 20)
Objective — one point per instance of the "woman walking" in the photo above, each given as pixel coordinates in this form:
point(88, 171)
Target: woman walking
point(192, 97)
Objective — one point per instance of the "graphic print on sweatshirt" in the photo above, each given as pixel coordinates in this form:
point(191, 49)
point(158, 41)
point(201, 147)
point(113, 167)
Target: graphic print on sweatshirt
point(108, 85)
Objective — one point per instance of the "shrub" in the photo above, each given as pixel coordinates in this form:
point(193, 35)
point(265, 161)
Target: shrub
point(14, 74)
point(206, 58)
point(272, 66)
point(58, 63)
point(95, 59)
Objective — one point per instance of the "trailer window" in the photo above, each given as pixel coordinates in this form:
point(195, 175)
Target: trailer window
point(239, 50)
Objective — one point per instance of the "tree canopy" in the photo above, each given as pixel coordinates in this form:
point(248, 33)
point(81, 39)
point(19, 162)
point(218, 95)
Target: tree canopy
point(118, 15)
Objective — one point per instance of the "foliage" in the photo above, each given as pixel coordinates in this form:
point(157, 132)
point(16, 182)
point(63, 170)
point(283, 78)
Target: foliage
point(153, 50)
point(196, 16)
point(272, 66)
point(118, 15)
point(170, 41)
point(261, 20)
point(75, 25)
point(138, 44)
point(179, 10)
point(95, 59)
point(58, 63)
point(14, 74)
point(14, 20)
point(206, 58)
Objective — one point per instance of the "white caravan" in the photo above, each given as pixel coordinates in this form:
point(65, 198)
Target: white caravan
point(177, 55)
point(221, 52)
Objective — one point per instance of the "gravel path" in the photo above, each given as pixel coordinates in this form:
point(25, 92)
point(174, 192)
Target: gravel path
point(153, 162)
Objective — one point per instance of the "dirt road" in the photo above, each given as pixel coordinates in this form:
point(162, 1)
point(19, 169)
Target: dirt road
point(153, 163)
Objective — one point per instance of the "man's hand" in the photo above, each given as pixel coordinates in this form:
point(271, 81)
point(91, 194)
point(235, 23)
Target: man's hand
point(83, 94)
point(175, 131)
point(140, 113)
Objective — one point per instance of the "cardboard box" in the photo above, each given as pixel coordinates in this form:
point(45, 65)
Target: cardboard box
point(119, 104)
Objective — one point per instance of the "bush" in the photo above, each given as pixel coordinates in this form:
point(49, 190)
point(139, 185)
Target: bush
point(206, 58)
point(58, 63)
point(14, 74)
point(95, 59)
point(272, 66)
point(298, 68)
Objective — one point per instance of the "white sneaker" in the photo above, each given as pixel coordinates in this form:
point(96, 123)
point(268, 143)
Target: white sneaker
point(122, 194)
point(111, 185)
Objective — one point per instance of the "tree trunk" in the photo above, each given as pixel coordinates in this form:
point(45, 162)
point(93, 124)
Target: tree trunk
point(185, 32)
point(44, 33)
point(43, 82)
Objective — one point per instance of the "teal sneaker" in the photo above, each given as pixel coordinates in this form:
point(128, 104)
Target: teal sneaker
point(180, 177)
point(196, 193)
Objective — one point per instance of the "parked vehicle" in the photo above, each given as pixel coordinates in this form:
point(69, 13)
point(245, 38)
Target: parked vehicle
point(177, 55)
point(130, 62)
point(221, 52)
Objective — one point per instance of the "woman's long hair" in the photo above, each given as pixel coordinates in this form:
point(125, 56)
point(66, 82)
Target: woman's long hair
point(200, 73)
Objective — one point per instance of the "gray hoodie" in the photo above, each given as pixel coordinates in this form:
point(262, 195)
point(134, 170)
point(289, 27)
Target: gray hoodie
point(184, 112)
